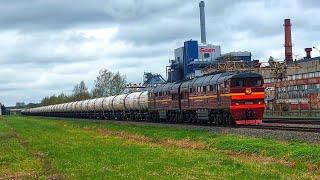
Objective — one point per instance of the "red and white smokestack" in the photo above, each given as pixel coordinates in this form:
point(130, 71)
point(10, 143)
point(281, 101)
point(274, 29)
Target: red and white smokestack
point(308, 52)
point(287, 40)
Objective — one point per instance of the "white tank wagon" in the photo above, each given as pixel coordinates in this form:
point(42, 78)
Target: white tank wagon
point(132, 101)
point(90, 105)
point(98, 104)
point(124, 106)
point(77, 107)
point(108, 104)
point(118, 102)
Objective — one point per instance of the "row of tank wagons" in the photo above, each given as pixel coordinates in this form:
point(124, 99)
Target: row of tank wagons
point(2, 109)
point(137, 101)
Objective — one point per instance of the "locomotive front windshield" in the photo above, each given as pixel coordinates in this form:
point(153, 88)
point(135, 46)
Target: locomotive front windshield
point(247, 82)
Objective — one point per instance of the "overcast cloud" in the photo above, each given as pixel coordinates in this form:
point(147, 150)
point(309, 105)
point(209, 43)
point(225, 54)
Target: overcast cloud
point(47, 46)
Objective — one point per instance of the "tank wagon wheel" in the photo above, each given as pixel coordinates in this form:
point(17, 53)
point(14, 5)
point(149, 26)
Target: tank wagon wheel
point(156, 117)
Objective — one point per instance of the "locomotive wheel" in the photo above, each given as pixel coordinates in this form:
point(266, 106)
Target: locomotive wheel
point(187, 118)
point(215, 117)
point(219, 118)
point(195, 117)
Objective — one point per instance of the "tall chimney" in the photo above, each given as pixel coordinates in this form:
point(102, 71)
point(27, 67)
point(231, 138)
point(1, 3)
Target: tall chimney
point(308, 52)
point(202, 23)
point(287, 40)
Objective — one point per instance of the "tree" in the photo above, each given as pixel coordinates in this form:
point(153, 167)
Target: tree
point(50, 100)
point(108, 84)
point(80, 92)
point(118, 84)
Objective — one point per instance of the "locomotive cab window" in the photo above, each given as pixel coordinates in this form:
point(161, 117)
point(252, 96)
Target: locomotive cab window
point(256, 82)
point(238, 83)
point(248, 82)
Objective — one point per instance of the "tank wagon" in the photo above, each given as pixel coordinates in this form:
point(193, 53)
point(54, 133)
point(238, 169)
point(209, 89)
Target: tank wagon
point(222, 99)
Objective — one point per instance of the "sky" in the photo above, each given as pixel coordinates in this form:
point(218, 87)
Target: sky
point(48, 46)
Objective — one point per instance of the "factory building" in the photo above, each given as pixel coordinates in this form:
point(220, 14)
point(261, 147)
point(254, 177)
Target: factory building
point(193, 57)
point(300, 90)
point(190, 59)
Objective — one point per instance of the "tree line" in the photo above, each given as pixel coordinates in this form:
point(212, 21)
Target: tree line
point(106, 84)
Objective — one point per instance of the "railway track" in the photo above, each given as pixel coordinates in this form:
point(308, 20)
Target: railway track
point(284, 127)
point(314, 121)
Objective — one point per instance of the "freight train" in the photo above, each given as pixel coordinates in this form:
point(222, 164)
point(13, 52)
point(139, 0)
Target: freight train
point(227, 98)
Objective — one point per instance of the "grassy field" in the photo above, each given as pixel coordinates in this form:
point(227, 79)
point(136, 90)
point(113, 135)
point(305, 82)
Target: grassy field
point(34, 147)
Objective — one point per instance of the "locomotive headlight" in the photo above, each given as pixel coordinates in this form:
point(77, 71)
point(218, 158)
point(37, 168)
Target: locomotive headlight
point(248, 91)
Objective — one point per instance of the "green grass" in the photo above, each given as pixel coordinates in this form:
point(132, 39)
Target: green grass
point(84, 149)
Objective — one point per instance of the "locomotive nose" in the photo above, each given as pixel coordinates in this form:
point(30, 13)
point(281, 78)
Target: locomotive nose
point(250, 114)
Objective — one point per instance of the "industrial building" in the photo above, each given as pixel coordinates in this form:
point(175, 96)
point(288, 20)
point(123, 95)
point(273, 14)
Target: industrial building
point(192, 57)
point(298, 88)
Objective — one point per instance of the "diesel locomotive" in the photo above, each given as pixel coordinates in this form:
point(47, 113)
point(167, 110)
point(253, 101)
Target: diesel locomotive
point(227, 98)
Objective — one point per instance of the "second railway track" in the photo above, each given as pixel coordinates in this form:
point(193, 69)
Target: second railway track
point(284, 127)
point(315, 121)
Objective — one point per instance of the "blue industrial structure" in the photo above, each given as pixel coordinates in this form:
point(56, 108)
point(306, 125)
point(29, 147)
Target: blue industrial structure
point(190, 59)
point(190, 54)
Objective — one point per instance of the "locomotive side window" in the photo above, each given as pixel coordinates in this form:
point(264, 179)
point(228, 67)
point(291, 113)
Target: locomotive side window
point(212, 88)
point(204, 88)
point(239, 83)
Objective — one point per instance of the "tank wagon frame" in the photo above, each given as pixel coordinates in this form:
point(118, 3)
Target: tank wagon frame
point(222, 99)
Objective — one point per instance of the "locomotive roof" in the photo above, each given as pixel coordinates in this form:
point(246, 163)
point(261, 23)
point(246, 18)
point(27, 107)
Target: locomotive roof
point(206, 80)
point(247, 75)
